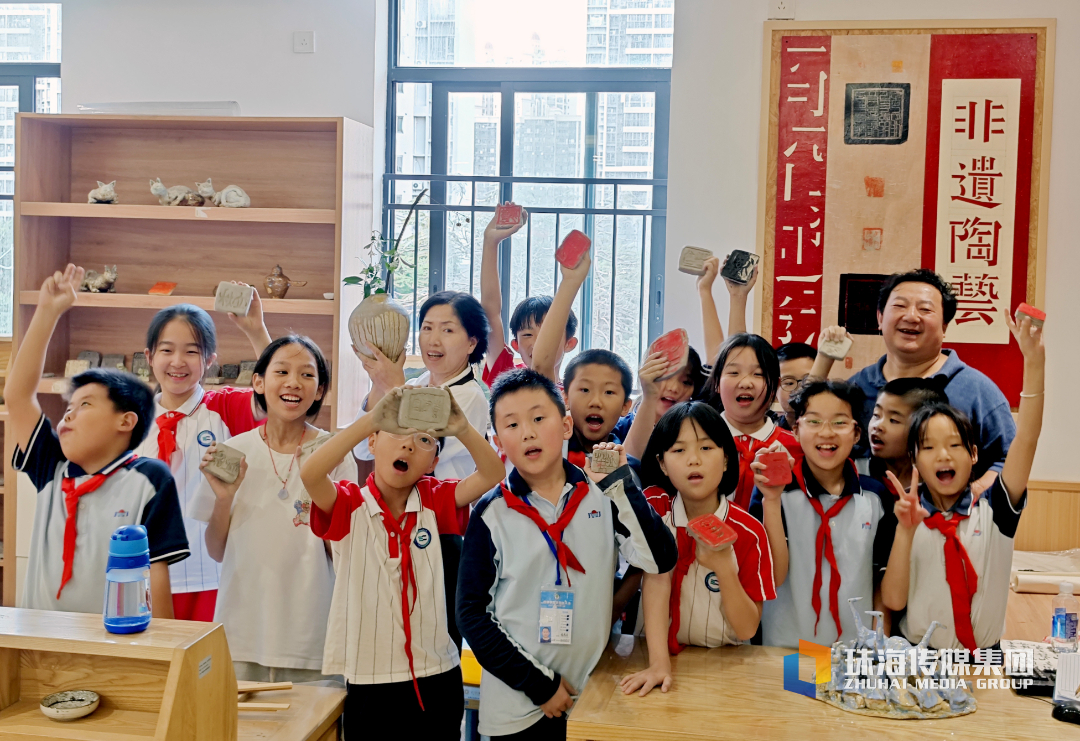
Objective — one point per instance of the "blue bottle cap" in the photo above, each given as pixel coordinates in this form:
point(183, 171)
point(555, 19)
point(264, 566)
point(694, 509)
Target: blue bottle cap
point(129, 541)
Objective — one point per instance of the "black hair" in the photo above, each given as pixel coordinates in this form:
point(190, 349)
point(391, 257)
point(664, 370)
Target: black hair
point(202, 326)
point(695, 372)
point(921, 275)
point(667, 432)
point(846, 392)
point(598, 356)
point(794, 351)
point(520, 379)
point(766, 357)
point(922, 416)
point(531, 312)
point(127, 392)
point(917, 392)
point(469, 312)
point(308, 344)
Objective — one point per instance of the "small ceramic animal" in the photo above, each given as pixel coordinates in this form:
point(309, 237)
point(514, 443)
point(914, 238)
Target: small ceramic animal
point(169, 196)
point(191, 199)
point(104, 193)
point(95, 282)
point(232, 196)
point(278, 284)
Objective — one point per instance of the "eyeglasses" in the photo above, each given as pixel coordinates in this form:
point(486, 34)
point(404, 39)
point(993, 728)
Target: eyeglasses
point(790, 383)
point(421, 440)
point(816, 424)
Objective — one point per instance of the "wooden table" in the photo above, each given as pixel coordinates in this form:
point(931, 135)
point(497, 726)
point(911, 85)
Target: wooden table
point(738, 692)
point(312, 716)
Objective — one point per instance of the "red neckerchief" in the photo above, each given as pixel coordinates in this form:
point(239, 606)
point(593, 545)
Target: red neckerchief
point(748, 448)
point(824, 546)
point(960, 573)
point(71, 503)
point(399, 541)
point(553, 531)
point(166, 436)
point(687, 554)
point(577, 458)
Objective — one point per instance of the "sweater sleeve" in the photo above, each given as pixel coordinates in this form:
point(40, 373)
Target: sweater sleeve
point(492, 645)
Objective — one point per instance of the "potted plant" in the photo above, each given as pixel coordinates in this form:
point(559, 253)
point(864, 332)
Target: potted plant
point(378, 319)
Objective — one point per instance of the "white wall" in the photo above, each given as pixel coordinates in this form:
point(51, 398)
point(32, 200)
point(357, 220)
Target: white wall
point(713, 175)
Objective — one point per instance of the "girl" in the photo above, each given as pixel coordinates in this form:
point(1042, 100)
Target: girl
point(965, 591)
point(743, 385)
point(657, 397)
point(453, 336)
point(276, 577)
point(713, 597)
point(181, 345)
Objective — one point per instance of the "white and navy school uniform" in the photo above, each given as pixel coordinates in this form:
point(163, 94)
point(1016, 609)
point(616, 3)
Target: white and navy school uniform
point(211, 416)
point(748, 447)
point(506, 560)
point(987, 535)
point(138, 491)
point(455, 461)
point(861, 533)
point(700, 620)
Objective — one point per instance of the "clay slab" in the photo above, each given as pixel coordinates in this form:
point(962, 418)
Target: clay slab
point(692, 260)
point(233, 299)
point(94, 358)
point(1036, 316)
point(675, 345)
point(75, 367)
point(572, 249)
point(225, 463)
point(604, 460)
point(739, 267)
point(714, 532)
point(247, 369)
point(837, 350)
point(777, 468)
point(424, 409)
point(113, 361)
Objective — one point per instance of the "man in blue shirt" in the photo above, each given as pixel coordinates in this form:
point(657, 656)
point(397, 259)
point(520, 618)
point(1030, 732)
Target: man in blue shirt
point(914, 309)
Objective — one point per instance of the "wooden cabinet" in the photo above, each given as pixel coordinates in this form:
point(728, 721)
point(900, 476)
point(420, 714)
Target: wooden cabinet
point(310, 183)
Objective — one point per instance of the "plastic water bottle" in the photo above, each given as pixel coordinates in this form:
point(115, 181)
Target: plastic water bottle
point(127, 581)
point(1065, 609)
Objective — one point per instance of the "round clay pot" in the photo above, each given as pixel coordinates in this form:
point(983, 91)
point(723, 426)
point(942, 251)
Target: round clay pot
point(378, 319)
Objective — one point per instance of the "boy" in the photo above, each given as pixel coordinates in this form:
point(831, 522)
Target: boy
point(952, 555)
point(527, 318)
point(547, 525)
point(889, 428)
point(830, 530)
point(388, 632)
point(796, 363)
point(88, 478)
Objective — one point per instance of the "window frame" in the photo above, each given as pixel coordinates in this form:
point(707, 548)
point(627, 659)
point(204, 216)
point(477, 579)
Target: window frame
point(508, 81)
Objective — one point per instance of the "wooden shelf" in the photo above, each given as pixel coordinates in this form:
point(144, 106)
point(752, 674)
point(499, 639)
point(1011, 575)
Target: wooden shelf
point(180, 213)
point(25, 719)
point(312, 306)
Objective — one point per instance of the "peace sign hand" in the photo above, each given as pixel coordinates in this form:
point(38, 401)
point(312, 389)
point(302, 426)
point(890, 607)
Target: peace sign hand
point(909, 511)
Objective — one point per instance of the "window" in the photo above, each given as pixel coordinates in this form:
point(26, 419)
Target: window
point(29, 82)
point(547, 109)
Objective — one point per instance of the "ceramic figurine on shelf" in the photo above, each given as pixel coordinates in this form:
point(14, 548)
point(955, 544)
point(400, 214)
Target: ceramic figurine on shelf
point(169, 196)
point(190, 199)
point(278, 284)
point(95, 282)
point(104, 193)
point(232, 196)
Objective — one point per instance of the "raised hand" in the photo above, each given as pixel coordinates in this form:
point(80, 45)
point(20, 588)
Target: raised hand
point(654, 367)
point(908, 509)
point(712, 269)
point(497, 234)
point(61, 289)
point(221, 489)
point(738, 289)
point(577, 275)
point(385, 413)
point(253, 320)
point(769, 493)
point(458, 423)
point(598, 477)
point(384, 373)
point(1029, 337)
point(834, 333)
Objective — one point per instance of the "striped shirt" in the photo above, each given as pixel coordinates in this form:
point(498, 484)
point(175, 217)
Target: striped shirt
point(703, 622)
point(139, 492)
point(365, 636)
point(211, 416)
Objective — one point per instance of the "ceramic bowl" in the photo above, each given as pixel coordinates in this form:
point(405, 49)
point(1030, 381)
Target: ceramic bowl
point(328, 296)
point(70, 705)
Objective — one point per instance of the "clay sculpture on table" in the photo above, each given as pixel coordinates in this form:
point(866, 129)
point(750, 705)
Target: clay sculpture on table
point(925, 690)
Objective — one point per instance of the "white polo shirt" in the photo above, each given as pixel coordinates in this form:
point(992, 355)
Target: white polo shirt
point(862, 534)
point(702, 621)
point(276, 576)
point(365, 636)
point(987, 536)
point(140, 491)
point(211, 416)
point(455, 461)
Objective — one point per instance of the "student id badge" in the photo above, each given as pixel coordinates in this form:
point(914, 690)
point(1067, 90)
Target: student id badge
point(556, 615)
